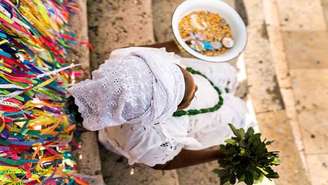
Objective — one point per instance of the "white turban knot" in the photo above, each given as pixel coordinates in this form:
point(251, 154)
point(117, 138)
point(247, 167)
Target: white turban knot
point(135, 85)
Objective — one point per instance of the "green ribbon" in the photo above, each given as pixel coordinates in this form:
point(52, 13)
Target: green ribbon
point(17, 162)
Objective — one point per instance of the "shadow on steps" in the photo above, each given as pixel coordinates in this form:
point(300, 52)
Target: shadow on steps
point(116, 171)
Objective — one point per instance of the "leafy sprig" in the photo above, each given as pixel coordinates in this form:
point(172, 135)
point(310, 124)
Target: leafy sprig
point(245, 158)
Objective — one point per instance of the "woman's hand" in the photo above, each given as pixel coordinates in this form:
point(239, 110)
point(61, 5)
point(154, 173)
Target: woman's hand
point(189, 158)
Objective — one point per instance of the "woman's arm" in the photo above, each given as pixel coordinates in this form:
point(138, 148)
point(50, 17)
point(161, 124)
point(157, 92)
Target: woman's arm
point(188, 158)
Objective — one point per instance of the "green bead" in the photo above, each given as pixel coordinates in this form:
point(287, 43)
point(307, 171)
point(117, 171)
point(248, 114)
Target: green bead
point(213, 109)
point(204, 110)
point(180, 113)
point(193, 112)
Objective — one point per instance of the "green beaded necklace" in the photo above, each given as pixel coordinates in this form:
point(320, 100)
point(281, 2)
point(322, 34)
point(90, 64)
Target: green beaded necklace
point(193, 112)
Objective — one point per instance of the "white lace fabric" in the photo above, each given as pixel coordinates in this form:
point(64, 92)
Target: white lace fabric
point(109, 90)
point(135, 85)
point(158, 143)
point(140, 144)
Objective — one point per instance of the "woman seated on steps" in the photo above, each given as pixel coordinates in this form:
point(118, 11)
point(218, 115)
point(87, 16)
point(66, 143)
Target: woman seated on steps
point(158, 109)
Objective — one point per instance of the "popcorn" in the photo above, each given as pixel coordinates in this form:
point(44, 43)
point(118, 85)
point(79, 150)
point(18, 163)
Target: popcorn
point(206, 32)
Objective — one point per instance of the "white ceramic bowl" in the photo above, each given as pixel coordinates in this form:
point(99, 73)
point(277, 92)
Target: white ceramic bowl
point(237, 25)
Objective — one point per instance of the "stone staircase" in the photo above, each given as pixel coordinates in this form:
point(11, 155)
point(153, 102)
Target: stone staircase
point(299, 41)
point(115, 24)
point(122, 23)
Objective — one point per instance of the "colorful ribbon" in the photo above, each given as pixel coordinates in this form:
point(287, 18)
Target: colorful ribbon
point(35, 133)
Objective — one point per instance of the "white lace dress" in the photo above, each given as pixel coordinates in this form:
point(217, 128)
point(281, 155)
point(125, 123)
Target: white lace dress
point(161, 142)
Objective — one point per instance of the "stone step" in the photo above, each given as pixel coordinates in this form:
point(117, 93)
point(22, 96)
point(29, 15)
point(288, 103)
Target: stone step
point(162, 14)
point(269, 88)
point(299, 44)
point(88, 156)
point(200, 174)
point(115, 24)
point(117, 172)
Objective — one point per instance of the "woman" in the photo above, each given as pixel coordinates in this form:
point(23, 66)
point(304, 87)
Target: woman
point(150, 108)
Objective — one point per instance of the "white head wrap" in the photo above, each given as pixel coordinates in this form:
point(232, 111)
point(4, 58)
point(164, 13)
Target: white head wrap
point(135, 85)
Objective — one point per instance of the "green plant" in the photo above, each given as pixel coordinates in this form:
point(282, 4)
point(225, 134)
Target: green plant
point(245, 158)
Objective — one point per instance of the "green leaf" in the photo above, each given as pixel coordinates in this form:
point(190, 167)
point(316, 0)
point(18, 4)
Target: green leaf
point(224, 180)
point(249, 180)
point(245, 158)
point(243, 152)
point(259, 180)
point(230, 141)
point(270, 173)
point(273, 175)
point(239, 133)
point(276, 161)
point(221, 172)
point(250, 132)
point(234, 130)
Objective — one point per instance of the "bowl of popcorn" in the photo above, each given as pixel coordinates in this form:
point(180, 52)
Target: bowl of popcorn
point(210, 30)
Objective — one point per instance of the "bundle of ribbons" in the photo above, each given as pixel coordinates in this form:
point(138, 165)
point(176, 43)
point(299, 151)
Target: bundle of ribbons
point(36, 135)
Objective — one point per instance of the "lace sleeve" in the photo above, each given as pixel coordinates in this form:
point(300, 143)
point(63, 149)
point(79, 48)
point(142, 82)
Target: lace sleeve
point(140, 144)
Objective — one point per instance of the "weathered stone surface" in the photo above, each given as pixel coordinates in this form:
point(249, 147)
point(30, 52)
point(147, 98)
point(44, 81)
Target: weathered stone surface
point(318, 167)
point(241, 9)
point(162, 14)
point(200, 175)
point(281, 124)
point(89, 158)
point(301, 15)
point(310, 79)
point(314, 127)
point(275, 126)
point(116, 23)
point(79, 25)
point(303, 50)
point(94, 180)
point(310, 88)
point(306, 49)
point(117, 172)
point(325, 9)
point(262, 80)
